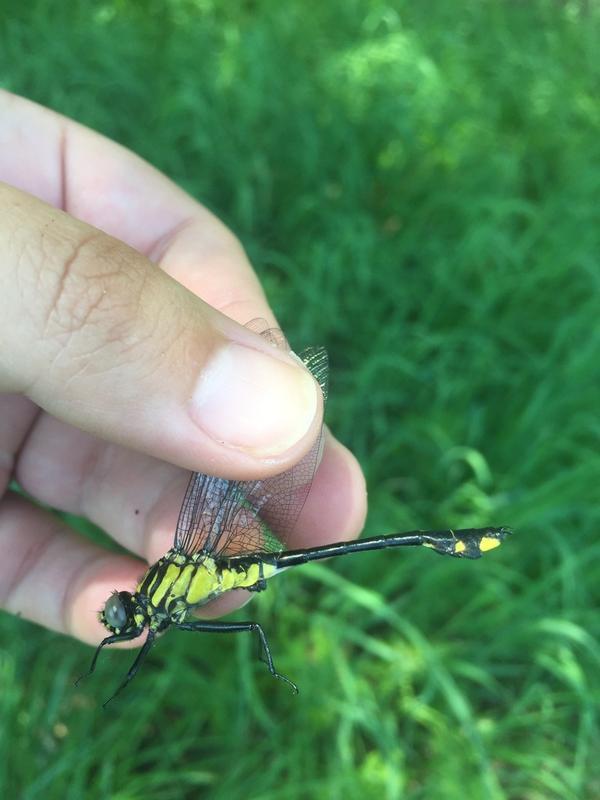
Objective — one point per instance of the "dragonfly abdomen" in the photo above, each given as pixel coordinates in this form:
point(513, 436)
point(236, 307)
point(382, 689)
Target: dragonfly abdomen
point(213, 577)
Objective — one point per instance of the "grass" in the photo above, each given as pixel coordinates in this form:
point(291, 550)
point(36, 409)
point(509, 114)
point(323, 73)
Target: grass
point(417, 185)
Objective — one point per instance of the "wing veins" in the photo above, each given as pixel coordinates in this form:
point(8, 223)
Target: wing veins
point(218, 515)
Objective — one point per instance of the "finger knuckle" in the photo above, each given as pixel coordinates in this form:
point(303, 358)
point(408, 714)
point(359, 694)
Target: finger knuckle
point(94, 293)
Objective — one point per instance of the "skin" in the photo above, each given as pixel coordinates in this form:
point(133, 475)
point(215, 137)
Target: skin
point(115, 288)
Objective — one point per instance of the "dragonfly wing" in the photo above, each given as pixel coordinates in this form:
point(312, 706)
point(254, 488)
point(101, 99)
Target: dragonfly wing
point(276, 502)
point(200, 519)
point(220, 516)
point(316, 360)
point(274, 336)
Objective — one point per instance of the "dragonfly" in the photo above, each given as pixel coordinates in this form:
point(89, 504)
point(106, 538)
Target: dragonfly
point(232, 535)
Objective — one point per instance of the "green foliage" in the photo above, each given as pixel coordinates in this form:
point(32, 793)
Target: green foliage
point(417, 185)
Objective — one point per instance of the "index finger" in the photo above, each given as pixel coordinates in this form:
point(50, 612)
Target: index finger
point(104, 184)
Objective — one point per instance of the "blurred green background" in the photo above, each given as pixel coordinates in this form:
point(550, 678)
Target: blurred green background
point(418, 186)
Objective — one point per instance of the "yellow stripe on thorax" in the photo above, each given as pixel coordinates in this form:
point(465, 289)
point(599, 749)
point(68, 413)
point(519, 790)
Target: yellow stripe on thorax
point(172, 574)
point(182, 583)
point(204, 583)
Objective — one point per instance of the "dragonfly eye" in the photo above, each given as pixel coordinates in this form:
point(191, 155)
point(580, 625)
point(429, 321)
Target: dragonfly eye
point(115, 610)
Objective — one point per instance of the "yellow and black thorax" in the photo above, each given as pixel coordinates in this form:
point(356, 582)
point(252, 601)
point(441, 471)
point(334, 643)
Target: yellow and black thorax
point(177, 583)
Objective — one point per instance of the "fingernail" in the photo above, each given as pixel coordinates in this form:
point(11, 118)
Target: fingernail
point(249, 400)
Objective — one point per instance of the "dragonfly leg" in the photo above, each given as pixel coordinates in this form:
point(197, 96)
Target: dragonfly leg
point(241, 627)
point(109, 640)
point(134, 667)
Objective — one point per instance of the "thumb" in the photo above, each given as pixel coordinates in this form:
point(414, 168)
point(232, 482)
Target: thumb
point(100, 337)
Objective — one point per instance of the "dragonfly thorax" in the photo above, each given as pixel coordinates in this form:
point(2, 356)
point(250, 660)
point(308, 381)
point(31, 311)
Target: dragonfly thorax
point(177, 584)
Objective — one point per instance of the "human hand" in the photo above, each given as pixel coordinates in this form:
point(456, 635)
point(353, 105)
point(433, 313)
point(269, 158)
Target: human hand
point(118, 374)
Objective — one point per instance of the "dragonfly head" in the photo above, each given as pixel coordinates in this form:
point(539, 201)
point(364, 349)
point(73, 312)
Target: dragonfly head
point(122, 614)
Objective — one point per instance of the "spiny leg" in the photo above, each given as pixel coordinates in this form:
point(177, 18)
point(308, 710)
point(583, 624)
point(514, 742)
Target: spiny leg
point(109, 640)
point(134, 667)
point(240, 627)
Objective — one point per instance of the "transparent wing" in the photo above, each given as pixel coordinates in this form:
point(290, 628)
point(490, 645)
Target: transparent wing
point(202, 510)
point(234, 517)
